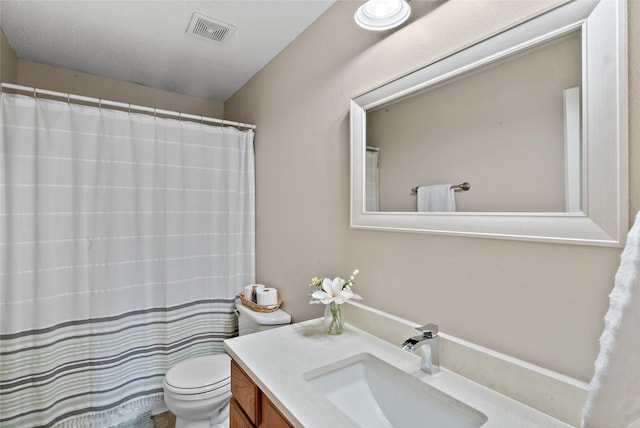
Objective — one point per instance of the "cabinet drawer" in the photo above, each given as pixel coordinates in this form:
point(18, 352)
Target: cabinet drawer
point(245, 392)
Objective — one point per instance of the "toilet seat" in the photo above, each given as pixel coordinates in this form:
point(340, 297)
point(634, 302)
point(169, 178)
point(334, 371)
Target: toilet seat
point(179, 395)
point(209, 375)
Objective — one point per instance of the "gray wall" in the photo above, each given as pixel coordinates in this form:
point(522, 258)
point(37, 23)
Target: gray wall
point(8, 61)
point(544, 303)
point(33, 74)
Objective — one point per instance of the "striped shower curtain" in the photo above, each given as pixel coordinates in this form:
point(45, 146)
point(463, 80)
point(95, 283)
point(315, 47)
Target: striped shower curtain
point(123, 241)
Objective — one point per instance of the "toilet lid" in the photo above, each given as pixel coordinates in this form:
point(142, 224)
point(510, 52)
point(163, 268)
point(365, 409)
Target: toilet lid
point(200, 374)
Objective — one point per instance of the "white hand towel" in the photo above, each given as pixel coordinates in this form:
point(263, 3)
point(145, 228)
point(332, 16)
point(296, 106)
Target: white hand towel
point(614, 391)
point(436, 198)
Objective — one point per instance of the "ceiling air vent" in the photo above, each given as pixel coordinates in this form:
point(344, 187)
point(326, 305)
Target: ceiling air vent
point(209, 28)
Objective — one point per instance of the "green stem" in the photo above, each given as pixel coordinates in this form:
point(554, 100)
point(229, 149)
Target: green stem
point(336, 326)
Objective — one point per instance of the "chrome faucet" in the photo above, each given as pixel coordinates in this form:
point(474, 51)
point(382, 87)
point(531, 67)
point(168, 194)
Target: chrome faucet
point(430, 343)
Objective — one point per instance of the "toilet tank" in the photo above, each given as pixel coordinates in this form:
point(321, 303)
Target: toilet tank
point(250, 321)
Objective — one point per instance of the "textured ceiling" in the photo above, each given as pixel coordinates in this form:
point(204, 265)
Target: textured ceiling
point(146, 42)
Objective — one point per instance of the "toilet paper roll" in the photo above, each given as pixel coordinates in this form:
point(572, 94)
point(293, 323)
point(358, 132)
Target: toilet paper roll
point(268, 296)
point(248, 291)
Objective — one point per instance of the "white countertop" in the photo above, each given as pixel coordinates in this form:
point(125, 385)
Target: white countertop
point(277, 359)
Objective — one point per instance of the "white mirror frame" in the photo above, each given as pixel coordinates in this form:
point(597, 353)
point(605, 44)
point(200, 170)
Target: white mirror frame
point(604, 217)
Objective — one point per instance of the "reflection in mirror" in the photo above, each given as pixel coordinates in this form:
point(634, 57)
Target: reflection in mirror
point(372, 179)
point(511, 128)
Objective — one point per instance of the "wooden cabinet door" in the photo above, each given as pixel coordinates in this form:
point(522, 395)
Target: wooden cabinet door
point(249, 406)
point(245, 392)
point(271, 417)
point(237, 417)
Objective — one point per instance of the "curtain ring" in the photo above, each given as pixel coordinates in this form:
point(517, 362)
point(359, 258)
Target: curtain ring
point(154, 112)
point(201, 120)
point(68, 98)
point(129, 108)
point(35, 94)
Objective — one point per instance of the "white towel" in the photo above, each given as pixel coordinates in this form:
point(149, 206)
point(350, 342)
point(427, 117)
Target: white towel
point(614, 391)
point(436, 198)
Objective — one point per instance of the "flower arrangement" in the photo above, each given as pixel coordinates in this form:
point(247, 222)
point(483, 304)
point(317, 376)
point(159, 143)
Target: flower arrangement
point(333, 293)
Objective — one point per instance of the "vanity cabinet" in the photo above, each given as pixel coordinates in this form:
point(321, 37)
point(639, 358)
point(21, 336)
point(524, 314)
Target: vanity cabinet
point(250, 407)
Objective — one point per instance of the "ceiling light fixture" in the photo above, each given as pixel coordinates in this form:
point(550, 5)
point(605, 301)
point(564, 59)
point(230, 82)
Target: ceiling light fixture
point(379, 15)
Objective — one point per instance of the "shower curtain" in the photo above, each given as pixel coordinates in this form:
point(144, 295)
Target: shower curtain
point(124, 239)
point(371, 183)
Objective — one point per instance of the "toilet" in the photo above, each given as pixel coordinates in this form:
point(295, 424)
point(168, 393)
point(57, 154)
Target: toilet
point(198, 390)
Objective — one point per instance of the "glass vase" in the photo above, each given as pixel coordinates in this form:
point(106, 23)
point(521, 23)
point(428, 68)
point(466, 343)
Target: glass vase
point(333, 323)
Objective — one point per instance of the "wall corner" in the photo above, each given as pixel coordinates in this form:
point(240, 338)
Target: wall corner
point(8, 61)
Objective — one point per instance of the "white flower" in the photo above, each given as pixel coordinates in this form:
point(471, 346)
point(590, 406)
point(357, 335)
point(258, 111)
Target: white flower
point(333, 291)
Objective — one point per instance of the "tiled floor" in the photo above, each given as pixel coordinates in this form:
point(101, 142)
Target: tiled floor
point(164, 420)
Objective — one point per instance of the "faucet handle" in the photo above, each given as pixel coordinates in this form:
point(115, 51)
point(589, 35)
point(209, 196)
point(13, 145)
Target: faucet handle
point(429, 330)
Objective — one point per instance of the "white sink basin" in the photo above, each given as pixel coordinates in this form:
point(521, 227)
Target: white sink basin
point(376, 394)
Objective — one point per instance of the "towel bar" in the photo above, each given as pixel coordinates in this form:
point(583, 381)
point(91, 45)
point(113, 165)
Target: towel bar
point(462, 186)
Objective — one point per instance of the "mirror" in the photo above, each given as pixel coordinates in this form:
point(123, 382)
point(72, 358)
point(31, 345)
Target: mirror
point(534, 119)
point(506, 136)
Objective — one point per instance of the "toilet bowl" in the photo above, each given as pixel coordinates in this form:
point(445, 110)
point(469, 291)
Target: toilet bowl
point(198, 390)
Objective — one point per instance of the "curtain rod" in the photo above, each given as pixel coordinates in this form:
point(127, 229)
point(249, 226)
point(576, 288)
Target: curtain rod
point(138, 108)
